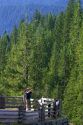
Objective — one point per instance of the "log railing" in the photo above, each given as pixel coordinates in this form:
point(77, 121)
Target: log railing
point(11, 102)
point(12, 111)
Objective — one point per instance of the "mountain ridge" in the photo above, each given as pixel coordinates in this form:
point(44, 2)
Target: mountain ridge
point(42, 2)
point(12, 12)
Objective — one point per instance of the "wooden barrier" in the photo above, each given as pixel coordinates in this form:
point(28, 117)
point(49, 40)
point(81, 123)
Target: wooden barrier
point(2, 102)
point(10, 102)
point(30, 117)
point(13, 102)
point(8, 116)
point(17, 114)
point(21, 113)
point(41, 112)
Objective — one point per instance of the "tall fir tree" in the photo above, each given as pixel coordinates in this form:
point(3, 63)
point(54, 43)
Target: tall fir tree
point(72, 89)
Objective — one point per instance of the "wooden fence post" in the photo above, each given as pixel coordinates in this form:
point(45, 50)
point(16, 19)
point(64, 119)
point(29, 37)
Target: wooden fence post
point(2, 102)
point(41, 113)
point(49, 110)
point(20, 114)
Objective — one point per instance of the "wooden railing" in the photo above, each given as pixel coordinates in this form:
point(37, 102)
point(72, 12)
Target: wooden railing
point(11, 102)
point(12, 111)
point(16, 102)
point(30, 117)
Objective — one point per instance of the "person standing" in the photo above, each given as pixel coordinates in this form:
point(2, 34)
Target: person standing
point(56, 108)
point(27, 97)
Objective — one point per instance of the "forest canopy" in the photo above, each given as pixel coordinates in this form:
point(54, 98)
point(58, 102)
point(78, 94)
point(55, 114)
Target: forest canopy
point(46, 55)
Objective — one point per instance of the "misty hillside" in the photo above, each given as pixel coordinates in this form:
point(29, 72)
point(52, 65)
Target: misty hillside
point(24, 2)
point(11, 12)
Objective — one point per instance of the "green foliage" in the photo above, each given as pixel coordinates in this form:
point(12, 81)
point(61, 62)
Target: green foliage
point(73, 94)
point(47, 55)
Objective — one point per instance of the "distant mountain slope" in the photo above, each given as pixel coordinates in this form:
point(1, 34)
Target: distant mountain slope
point(11, 12)
point(42, 2)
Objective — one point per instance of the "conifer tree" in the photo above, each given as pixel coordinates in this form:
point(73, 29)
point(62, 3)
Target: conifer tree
point(72, 89)
point(53, 77)
point(4, 48)
point(16, 71)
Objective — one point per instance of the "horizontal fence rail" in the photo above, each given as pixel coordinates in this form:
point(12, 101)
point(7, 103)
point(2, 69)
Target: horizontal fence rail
point(31, 117)
point(11, 102)
point(12, 110)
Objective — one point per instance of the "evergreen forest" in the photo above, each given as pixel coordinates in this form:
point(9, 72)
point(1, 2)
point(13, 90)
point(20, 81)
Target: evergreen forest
point(46, 55)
